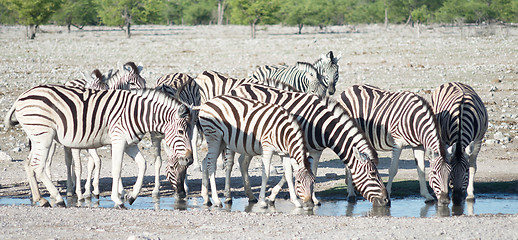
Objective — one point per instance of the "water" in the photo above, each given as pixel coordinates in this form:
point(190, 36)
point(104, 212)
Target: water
point(406, 207)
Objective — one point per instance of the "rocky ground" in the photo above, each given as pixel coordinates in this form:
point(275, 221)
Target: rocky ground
point(396, 58)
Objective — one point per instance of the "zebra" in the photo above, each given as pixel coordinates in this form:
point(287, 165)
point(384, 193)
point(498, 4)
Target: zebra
point(463, 121)
point(253, 128)
point(393, 120)
point(326, 125)
point(87, 118)
point(319, 78)
point(128, 77)
point(186, 89)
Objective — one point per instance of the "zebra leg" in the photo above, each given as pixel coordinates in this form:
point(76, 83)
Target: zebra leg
point(266, 159)
point(472, 170)
point(33, 183)
point(94, 163)
point(215, 148)
point(394, 166)
point(48, 163)
point(157, 144)
point(351, 193)
point(229, 164)
point(288, 173)
point(71, 176)
point(314, 167)
point(278, 187)
point(205, 182)
point(77, 169)
point(117, 155)
point(194, 143)
point(419, 158)
point(244, 163)
point(42, 152)
point(134, 153)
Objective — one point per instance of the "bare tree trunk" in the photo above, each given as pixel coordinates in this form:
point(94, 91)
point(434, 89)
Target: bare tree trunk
point(252, 25)
point(300, 28)
point(31, 31)
point(221, 11)
point(386, 17)
point(128, 26)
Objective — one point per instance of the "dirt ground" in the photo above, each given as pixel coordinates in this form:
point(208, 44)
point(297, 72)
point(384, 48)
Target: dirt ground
point(485, 57)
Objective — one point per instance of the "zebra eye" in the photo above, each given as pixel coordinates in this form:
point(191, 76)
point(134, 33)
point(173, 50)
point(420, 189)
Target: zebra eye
point(373, 174)
point(180, 132)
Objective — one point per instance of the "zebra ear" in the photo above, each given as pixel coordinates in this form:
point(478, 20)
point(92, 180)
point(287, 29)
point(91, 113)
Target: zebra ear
point(450, 150)
point(337, 58)
point(140, 67)
point(183, 111)
point(360, 156)
point(470, 148)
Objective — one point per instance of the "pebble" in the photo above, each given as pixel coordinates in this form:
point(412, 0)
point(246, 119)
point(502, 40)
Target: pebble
point(4, 157)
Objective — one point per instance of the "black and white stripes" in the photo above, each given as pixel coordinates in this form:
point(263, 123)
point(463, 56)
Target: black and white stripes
point(392, 120)
point(463, 121)
point(85, 118)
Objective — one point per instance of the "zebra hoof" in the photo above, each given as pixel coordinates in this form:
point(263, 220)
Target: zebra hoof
point(119, 206)
point(351, 199)
point(207, 203)
point(252, 200)
point(131, 200)
point(228, 200)
point(61, 204)
point(96, 196)
point(44, 203)
point(429, 201)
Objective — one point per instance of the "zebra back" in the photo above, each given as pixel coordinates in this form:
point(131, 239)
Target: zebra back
point(327, 66)
point(182, 86)
point(96, 75)
point(303, 77)
point(214, 84)
point(326, 125)
point(463, 120)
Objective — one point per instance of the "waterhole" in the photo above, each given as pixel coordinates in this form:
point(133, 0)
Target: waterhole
point(405, 207)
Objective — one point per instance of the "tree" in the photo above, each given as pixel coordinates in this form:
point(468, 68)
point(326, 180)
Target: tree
point(124, 12)
point(299, 12)
point(32, 13)
point(253, 12)
point(77, 13)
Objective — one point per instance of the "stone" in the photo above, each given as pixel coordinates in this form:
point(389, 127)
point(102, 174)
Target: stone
point(4, 157)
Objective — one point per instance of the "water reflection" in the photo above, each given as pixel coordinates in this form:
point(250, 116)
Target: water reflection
point(407, 207)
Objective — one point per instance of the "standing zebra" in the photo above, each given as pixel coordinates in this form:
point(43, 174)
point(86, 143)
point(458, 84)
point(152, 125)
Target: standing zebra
point(187, 90)
point(87, 118)
point(317, 78)
point(128, 77)
point(393, 120)
point(463, 121)
point(253, 128)
point(326, 125)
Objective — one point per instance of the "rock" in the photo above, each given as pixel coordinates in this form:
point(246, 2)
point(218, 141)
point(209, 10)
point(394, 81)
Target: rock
point(4, 157)
point(499, 136)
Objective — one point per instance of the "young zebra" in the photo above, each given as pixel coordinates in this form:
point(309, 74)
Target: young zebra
point(317, 78)
point(183, 87)
point(85, 118)
point(326, 125)
point(128, 77)
point(393, 120)
point(463, 121)
point(253, 128)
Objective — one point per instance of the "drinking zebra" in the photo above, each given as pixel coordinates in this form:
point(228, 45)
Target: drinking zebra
point(326, 125)
point(463, 121)
point(183, 87)
point(318, 78)
point(86, 118)
point(128, 77)
point(393, 120)
point(253, 128)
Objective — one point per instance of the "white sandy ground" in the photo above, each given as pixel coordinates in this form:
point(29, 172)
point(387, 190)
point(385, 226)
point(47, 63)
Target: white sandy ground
point(395, 59)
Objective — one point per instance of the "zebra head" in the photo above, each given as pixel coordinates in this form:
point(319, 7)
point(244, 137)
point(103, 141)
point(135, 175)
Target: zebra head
point(178, 133)
point(459, 176)
point(96, 81)
point(327, 67)
point(439, 176)
point(304, 184)
point(176, 174)
point(315, 81)
point(131, 78)
point(369, 185)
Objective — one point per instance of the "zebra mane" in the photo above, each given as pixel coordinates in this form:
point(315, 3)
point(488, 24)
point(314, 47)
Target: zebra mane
point(339, 110)
point(325, 57)
point(308, 67)
point(159, 96)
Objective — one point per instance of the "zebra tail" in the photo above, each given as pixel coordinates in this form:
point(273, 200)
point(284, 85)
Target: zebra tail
point(9, 121)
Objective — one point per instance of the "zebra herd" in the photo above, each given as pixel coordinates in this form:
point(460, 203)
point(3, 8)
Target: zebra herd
point(283, 110)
